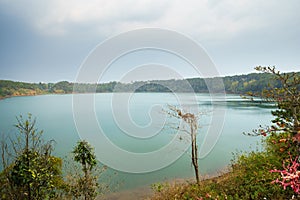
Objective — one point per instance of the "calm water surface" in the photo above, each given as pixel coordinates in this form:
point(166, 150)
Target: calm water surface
point(55, 116)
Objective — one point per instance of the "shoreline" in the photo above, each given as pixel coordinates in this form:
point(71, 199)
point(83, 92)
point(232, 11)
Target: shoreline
point(146, 192)
point(139, 193)
point(32, 95)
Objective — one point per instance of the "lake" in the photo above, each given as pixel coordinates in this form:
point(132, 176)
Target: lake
point(146, 130)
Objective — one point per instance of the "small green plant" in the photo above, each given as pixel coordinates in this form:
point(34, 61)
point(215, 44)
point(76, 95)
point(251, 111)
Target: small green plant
point(158, 187)
point(84, 185)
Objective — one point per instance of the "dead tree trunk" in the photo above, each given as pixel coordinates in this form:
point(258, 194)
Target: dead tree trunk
point(192, 121)
point(194, 150)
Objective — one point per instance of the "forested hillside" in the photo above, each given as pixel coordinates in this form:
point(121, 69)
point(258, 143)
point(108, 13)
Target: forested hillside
point(239, 84)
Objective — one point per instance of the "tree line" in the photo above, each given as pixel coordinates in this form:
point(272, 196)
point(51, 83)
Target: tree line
point(238, 84)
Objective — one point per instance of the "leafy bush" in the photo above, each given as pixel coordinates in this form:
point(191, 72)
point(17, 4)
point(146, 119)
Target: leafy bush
point(29, 169)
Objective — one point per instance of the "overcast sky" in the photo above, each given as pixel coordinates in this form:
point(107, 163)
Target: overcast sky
point(47, 40)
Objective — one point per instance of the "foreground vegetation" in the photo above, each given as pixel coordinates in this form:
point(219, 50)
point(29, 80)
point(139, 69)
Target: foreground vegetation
point(274, 172)
point(249, 178)
point(30, 171)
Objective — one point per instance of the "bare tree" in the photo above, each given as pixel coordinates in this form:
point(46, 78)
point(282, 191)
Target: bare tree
point(192, 121)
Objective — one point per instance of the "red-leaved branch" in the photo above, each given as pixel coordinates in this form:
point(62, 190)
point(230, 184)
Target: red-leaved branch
point(290, 175)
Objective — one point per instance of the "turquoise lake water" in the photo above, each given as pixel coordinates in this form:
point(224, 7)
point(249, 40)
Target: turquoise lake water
point(54, 115)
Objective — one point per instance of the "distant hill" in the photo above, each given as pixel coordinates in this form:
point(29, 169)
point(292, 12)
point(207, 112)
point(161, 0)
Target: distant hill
point(239, 84)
